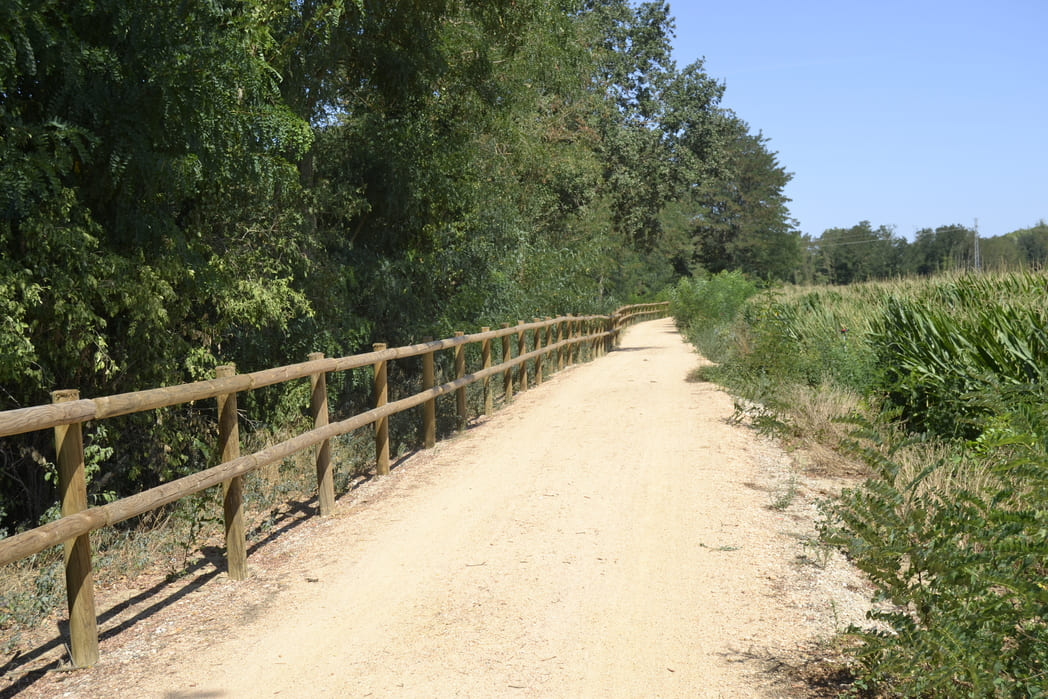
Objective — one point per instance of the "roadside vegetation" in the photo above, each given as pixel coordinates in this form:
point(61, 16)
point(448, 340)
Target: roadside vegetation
point(940, 391)
point(189, 184)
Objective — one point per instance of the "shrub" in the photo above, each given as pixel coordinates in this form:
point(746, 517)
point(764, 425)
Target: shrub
point(963, 568)
point(706, 309)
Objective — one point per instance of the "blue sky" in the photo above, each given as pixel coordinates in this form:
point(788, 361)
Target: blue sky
point(913, 114)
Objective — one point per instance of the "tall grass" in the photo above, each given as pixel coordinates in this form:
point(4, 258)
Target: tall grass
point(948, 376)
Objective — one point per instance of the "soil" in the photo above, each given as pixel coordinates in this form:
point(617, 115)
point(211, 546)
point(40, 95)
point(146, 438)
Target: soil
point(611, 532)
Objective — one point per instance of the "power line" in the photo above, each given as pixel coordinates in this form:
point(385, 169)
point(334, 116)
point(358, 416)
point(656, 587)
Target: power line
point(978, 261)
point(835, 244)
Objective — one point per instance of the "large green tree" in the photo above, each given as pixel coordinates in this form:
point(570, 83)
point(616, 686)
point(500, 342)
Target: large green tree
point(658, 126)
point(147, 162)
point(146, 159)
point(744, 223)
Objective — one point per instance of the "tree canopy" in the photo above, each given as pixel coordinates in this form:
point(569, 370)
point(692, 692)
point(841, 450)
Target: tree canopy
point(198, 182)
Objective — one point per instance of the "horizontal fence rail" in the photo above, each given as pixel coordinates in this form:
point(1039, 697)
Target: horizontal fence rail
point(557, 342)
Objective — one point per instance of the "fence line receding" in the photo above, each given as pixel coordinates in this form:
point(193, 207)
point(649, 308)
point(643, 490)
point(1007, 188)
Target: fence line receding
point(556, 342)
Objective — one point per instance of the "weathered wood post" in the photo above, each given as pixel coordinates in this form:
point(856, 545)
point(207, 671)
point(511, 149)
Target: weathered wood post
point(567, 340)
point(72, 489)
point(429, 408)
point(460, 393)
point(549, 342)
point(560, 350)
point(485, 360)
point(507, 375)
point(584, 346)
point(576, 346)
point(522, 374)
point(609, 338)
point(233, 489)
point(538, 359)
point(318, 408)
point(382, 425)
point(572, 351)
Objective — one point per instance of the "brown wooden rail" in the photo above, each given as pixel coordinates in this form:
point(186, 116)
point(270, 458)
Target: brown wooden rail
point(557, 342)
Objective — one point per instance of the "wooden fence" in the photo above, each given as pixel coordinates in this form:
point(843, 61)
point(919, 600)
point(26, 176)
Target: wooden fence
point(556, 342)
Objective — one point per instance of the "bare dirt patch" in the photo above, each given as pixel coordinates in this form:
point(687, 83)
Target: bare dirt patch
point(610, 533)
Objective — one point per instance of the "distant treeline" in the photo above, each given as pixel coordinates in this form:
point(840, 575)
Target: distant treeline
point(862, 253)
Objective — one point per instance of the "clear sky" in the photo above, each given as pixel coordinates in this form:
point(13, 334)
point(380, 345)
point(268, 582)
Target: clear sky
point(907, 113)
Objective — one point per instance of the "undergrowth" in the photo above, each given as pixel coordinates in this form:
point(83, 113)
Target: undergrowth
point(936, 387)
point(169, 541)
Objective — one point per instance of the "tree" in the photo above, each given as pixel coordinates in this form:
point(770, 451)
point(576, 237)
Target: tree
point(1033, 244)
point(658, 125)
point(942, 249)
point(744, 223)
point(147, 162)
point(856, 254)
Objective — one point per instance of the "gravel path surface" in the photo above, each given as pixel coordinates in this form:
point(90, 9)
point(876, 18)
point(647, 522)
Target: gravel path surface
point(609, 534)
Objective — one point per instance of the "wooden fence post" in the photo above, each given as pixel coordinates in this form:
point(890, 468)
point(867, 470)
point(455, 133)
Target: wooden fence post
point(318, 407)
point(572, 352)
point(72, 489)
point(382, 425)
point(460, 393)
point(522, 374)
point(538, 359)
point(576, 346)
point(560, 350)
point(429, 408)
point(233, 489)
point(549, 341)
point(485, 359)
point(507, 375)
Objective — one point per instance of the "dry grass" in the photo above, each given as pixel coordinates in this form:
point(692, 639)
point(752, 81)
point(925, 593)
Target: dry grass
point(817, 428)
point(171, 540)
point(948, 472)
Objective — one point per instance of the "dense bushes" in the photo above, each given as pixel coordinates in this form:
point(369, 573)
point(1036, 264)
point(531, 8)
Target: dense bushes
point(959, 569)
point(705, 309)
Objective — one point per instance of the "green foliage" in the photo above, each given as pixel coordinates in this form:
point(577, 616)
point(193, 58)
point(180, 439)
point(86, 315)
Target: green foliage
point(960, 577)
point(706, 310)
point(956, 544)
point(961, 339)
point(743, 222)
point(781, 339)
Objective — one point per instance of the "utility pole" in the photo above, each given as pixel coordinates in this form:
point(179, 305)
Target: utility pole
point(978, 262)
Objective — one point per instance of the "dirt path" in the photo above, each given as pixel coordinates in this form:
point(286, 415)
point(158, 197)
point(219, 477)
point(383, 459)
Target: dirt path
point(608, 534)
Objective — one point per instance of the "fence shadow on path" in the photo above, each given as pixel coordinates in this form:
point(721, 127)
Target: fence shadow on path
point(148, 602)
